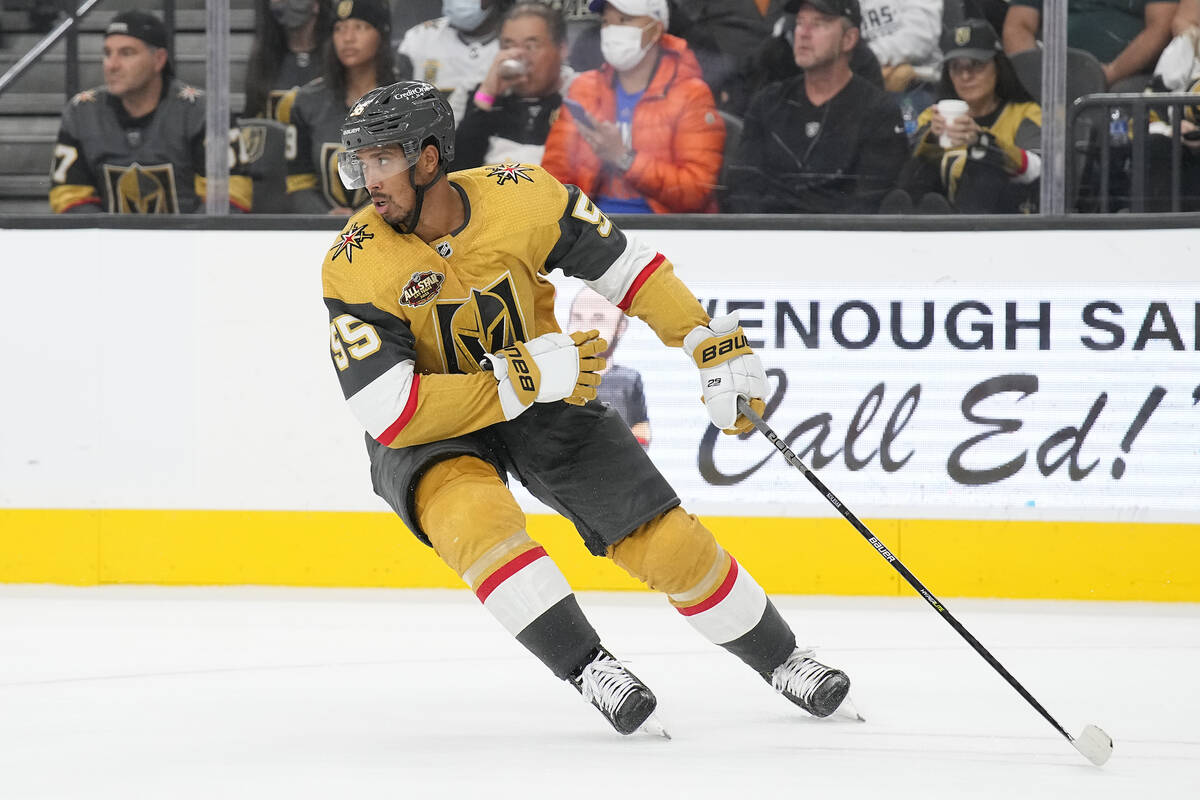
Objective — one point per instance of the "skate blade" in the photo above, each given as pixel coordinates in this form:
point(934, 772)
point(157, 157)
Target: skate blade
point(653, 727)
point(848, 711)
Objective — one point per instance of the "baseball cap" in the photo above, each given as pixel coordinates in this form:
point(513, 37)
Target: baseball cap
point(974, 38)
point(655, 9)
point(140, 25)
point(834, 8)
point(372, 12)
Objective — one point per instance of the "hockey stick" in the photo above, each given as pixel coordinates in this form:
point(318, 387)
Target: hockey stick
point(1093, 743)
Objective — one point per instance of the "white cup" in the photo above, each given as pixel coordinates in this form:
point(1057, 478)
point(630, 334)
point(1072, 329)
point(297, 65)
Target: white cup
point(950, 110)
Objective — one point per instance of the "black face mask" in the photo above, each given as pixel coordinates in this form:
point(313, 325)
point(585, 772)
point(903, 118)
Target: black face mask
point(292, 14)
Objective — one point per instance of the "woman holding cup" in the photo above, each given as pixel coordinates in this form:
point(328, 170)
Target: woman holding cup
point(977, 148)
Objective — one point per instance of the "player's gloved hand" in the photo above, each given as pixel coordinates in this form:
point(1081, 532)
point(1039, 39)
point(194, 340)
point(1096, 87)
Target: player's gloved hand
point(554, 366)
point(729, 369)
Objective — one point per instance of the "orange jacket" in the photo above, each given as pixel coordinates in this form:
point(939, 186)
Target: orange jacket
point(678, 137)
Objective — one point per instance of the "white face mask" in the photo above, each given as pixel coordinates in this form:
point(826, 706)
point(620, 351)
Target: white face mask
point(465, 15)
point(621, 46)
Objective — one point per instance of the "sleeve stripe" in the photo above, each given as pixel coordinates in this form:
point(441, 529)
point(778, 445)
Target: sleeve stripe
point(621, 274)
point(388, 402)
point(406, 415)
point(646, 272)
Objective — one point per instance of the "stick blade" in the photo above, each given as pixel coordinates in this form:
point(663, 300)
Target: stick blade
point(1095, 744)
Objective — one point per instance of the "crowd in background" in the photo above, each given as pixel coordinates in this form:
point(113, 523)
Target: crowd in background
point(651, 106)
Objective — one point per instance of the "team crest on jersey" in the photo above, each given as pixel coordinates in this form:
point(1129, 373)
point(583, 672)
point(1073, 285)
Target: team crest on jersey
point(431, 70)
point(811, 129)
point(509, 171)
point(421, 288)
point(471, 327)
point(137, 189)
point(348, 240)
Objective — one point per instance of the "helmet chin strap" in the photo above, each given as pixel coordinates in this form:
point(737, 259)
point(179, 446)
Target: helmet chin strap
point(409, 225)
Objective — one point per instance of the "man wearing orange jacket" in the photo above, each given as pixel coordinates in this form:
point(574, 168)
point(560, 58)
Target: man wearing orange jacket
point(641, 134)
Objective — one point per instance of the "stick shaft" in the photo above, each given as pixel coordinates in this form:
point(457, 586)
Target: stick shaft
point(898, 565)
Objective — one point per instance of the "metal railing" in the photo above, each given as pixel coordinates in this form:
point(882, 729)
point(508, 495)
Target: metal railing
point(1134, 110)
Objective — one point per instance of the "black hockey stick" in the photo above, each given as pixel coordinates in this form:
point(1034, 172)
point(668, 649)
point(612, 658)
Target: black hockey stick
point(1093, 743)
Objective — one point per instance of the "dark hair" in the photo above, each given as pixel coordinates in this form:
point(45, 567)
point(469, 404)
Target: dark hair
point(270, 46)
point(552, 17)
point(1008, 86)
point(385, 66)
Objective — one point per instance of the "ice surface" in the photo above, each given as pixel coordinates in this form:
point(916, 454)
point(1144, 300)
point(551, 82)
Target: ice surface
point(153, 692)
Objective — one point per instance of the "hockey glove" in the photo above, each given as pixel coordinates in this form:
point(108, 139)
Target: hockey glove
point(552, 367)
point(729, 369)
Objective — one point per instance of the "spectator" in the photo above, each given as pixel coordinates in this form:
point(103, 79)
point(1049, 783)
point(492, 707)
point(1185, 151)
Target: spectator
point(903, 34)
point(289, 36)
point(510, 115)
point(650, 139)
point(135, 146)
point(774, 61)
point(621, 389)
point(1126, 36)
point(358, 60)
point(454, 52)
point(1178, 70)
point(992, 164)
point(826, 141)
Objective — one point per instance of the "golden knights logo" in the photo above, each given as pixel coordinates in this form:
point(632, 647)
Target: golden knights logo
point(136, 189)
point(421, 288)
point(331, 181)
point(508, 171)
point(348, 240)
point(483, 323)
point(962, 35)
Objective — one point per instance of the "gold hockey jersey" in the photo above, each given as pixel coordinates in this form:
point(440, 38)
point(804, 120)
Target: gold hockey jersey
point(410, 321)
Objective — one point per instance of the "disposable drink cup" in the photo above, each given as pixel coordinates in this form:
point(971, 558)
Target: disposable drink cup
point(950, 111)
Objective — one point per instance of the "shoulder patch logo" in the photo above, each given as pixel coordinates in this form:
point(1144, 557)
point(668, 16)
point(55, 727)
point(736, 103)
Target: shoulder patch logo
point(348, 240)
point(86, 96)
point(189, 93)
point(509, 171)
point(421, 288)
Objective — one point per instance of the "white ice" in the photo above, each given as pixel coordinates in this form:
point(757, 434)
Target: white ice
point(154, 692)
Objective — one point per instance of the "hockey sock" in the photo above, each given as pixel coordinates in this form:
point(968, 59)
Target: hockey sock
point(477, 528)
point(677, 555)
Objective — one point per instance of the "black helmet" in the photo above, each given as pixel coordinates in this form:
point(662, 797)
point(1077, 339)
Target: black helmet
point(405, 113)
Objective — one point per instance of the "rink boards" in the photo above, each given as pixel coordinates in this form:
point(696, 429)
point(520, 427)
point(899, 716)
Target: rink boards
point(1013, 413)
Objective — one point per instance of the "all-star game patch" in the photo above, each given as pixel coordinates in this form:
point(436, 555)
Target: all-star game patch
point(348, 240)
point(421, 288)
point(509, 171)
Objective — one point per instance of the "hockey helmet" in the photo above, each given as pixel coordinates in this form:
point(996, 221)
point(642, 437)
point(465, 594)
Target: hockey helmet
point(407, 113)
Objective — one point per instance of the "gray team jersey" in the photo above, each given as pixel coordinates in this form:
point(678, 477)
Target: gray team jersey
point(314, 186)
point(106, 160)
point(621, 389)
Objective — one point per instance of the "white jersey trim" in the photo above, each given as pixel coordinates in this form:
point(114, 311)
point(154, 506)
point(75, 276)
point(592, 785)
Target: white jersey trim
point(382, 401)
point(616, 281)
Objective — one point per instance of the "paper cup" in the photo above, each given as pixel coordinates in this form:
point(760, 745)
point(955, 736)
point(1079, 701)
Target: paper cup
point(950, 110)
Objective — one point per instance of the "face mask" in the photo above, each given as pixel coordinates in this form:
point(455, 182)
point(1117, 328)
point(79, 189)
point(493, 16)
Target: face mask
point(621, 46)
point(292, 13)
point(465, 15)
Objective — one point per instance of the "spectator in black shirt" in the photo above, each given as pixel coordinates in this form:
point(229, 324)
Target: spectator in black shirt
point(510, 113)
point(826, 141)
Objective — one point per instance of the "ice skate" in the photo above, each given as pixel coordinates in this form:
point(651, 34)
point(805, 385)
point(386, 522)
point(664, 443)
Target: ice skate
point(620, 695)
point(808, 683)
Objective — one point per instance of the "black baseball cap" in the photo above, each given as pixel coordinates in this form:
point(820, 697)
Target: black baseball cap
point(140, 25)
point(973, 38)
point(834, 8)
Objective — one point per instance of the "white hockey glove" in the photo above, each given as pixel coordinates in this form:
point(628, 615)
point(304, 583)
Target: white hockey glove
point(552, 367)
point(729, 369)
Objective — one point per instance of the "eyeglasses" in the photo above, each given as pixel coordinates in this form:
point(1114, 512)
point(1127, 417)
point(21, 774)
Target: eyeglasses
point(963, 66)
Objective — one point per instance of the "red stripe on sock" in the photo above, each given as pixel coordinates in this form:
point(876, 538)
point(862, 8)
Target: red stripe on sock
point(720, 594)
point(507, 571)
point(646, 272)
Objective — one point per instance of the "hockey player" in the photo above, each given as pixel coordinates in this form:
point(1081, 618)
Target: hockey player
point(135, 146)
point(444, 340)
